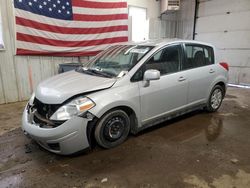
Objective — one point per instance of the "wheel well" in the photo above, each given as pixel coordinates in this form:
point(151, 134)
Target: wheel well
point(132, 116)
point(222, 84)
point(92, 124)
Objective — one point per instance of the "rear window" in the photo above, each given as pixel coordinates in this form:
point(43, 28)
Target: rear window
point(198, 56)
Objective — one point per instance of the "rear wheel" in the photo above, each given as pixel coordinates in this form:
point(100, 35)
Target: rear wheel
point(112, 129)
point(215, 99)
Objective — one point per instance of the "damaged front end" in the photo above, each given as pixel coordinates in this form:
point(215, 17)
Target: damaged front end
point(40, 113)
point(65, 137)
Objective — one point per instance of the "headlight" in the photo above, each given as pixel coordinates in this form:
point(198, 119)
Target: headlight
point(76, 107)
point(31, 101)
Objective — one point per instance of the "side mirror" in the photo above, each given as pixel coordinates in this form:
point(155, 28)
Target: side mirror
point(149, 75)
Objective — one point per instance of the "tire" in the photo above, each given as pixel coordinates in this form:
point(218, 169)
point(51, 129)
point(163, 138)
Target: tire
point(112, 129)
point(215, 99)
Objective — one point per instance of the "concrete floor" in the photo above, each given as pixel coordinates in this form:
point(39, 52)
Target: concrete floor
point(197, 150)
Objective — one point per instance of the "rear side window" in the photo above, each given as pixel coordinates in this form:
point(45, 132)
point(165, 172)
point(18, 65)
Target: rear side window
point(198, 56)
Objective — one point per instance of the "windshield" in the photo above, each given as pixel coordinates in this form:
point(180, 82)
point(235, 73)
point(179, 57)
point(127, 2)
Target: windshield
point(116, 61)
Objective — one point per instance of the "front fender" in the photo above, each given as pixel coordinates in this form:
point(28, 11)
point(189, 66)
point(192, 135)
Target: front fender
point(124, 96)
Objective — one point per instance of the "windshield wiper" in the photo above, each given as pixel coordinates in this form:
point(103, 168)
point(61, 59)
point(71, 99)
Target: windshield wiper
point(86, 71)
point(101, 73)
point(96, 71)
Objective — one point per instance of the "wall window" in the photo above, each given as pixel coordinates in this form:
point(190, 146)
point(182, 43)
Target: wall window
point(140, 24)
point(1, 33)
point(198, 56)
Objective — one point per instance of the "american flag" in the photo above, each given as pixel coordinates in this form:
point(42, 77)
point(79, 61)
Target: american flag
point(69, 27)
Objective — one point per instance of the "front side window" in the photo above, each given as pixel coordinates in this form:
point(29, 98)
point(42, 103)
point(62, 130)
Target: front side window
point(166, 61)
point(116, 60)
point(198, 56)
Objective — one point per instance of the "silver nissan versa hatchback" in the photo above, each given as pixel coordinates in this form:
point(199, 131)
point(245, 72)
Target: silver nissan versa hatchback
point(123, 90)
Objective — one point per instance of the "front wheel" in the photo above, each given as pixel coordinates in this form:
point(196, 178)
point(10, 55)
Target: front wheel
point(215, 99)
point(112, 129)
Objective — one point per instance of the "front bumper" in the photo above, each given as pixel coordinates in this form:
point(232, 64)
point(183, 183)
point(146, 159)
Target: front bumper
point(68, 138)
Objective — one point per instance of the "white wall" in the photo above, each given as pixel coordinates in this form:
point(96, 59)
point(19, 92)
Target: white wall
point(152, 6)
point(156, 27)
point(19, 75)
point(226, 24)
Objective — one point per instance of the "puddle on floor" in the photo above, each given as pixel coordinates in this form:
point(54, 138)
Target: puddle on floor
point(240, 180)
point(213, 130)
point(12, 181)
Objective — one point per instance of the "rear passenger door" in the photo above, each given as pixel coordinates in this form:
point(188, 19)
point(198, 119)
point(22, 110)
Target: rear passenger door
point(199, 68)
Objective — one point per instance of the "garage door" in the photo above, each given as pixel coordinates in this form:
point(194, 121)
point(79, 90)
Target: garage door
point(226, 24)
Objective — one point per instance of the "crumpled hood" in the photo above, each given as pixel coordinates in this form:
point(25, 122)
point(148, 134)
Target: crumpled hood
point(59, 88)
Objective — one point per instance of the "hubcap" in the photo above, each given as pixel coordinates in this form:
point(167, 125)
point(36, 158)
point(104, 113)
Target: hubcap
point(114, 128)
point(216, 98)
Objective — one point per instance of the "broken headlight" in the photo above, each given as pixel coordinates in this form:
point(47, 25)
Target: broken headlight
point(74, 108)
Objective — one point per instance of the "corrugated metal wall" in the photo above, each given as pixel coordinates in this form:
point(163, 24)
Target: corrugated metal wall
point(179, 24)
point(226, 24)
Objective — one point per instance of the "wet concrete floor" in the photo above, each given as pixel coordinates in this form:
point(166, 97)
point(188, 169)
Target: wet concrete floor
point(197, 150)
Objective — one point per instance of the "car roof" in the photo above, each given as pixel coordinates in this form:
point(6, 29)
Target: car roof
point(166, 41)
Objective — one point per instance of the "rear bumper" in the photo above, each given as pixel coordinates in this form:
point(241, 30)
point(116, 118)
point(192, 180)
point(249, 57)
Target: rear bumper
point(68, 138)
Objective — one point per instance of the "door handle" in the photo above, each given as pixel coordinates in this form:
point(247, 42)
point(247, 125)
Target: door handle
point(211, 71)
point(181, 79)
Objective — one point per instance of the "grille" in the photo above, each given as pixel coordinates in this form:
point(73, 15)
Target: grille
point(44, 112)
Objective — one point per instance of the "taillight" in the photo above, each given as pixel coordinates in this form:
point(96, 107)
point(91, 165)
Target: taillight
point(225, 65)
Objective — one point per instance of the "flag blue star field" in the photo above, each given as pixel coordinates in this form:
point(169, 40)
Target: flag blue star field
point(69, 27)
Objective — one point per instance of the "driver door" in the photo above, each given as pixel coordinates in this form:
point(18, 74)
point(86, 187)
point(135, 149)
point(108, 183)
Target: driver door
point(169, 93)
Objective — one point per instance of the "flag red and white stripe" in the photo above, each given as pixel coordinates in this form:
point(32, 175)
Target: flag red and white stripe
point(95, 24)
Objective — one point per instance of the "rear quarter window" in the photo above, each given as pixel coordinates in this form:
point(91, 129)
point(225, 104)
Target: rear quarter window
point(198, 56)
